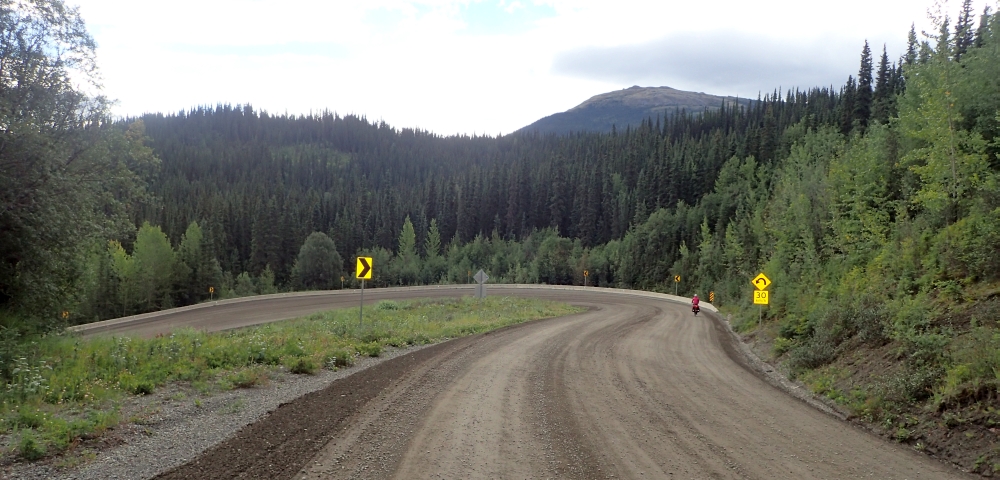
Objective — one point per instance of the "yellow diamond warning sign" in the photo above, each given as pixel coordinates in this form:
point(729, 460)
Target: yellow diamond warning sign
point(761, 281)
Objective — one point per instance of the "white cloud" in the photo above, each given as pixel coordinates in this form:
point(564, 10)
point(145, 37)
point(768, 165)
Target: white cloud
point(424, 64)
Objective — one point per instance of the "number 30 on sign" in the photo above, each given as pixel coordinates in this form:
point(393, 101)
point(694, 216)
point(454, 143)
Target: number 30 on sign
point(760, 297)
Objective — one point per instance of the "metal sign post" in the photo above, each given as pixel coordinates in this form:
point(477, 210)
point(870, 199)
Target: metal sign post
point(677, 281)
point(363, 272)
point(585, 275)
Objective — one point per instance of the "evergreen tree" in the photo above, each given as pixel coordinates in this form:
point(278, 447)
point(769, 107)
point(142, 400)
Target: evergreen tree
point(406, 265)
point(882, 101)
point(912, 46)
point(863, 96)
point(983, 32)
point(244, 285)
point(318, 265)
point(847, 105)
point(964, 31)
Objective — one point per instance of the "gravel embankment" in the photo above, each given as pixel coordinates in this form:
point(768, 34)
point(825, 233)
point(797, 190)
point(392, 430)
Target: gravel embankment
point(175, 424)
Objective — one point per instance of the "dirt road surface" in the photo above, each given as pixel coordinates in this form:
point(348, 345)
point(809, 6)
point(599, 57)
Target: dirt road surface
point(636, 387)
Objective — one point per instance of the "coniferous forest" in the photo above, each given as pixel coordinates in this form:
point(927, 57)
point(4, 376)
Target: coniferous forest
point(874, 207)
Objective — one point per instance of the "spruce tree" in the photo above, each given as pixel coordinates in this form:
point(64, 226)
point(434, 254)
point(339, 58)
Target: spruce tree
point(984, 28)
point(912, 46)
point(846, 107)
point(863, 96)
point(884, 91)
point(964, 33)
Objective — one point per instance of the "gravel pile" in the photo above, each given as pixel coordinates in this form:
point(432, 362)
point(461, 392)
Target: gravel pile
point(175, 424)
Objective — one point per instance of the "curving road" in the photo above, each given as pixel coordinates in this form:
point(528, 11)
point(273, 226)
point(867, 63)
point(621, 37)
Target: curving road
point(635, 387)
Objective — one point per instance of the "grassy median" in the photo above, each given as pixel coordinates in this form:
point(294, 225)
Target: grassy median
point(66, 388)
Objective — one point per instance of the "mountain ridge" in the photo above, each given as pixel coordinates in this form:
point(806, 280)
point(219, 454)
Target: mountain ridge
point(628, 106)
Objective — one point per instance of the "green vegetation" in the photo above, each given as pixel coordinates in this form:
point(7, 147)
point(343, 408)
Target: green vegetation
point(874, 208)
point(69, 388)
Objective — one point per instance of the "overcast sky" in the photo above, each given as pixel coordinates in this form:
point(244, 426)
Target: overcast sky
point(476, 67)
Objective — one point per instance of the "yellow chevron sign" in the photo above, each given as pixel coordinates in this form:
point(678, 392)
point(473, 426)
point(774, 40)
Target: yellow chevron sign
point(364, 271)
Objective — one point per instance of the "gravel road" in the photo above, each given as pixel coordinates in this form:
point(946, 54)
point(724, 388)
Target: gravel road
point(633, 388)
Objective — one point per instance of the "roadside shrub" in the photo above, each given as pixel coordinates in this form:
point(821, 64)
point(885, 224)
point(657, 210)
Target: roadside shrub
point(385, 305)
point(925, 350)
point(143, 387)
point(980, 351)
point(28, 417)
point(782, 345)
point(29, 447)
point(303, 365)
point(372, 349)
point(912, 316)
point(793, 327)
point(338, 358)
point(902, 389)
point(870, 322)
point(247, 378)
point(817, 352)
point(976, 369)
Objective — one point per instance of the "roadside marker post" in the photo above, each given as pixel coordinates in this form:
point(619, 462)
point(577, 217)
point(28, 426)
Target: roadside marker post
point(481, 278)
point(363, 272)
point(585, 275)
point(677, 280)
point(211, 293)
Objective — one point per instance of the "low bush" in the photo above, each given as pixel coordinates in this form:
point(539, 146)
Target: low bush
point(303, 365)
point(29, 447)
point(371, 349)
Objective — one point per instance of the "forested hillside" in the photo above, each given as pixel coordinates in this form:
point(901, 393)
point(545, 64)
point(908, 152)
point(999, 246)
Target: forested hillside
point(874, 208)
point(244, 172)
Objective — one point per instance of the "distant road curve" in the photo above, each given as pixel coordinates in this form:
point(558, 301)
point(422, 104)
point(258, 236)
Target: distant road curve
point(246, 311)
point(634, 387)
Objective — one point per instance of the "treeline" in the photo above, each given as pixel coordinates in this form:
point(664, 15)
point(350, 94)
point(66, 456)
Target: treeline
point(261, 184)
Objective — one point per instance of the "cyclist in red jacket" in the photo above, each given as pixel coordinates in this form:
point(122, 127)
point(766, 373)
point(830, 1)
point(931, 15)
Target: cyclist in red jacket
point(694, 304)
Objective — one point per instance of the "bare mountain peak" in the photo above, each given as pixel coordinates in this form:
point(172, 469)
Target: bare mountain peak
point(628, 106)
point(654, 97)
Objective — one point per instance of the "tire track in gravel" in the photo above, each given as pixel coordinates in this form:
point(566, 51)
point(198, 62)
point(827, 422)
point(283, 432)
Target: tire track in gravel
point(280, 444)
point(633, 388)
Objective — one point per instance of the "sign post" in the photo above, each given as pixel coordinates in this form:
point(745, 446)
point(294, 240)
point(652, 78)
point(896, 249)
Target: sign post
point(677, 280)
point(711, 297)
point(363, 272)
point(481, 278)
point(760, 295)
point(211, 293)
point(585, 275)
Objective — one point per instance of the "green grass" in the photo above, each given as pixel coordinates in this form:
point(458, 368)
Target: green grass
point(67, 387)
